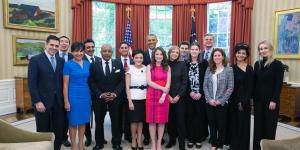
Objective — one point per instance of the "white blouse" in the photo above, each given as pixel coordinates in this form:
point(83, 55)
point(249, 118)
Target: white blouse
point(138, 78)
point(215, 81)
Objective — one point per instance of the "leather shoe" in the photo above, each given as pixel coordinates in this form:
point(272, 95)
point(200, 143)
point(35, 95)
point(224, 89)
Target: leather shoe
point(104, 142)
point(146, 141)
point(88, 142)
point(170, 144)
point(98, 147)
point(162, 141)
point(66, 143)
point(117, 147)
point(140, 148)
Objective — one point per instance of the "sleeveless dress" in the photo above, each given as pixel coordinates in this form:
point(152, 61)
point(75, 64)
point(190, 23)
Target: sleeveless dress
point(78, 92)
point(156, 112)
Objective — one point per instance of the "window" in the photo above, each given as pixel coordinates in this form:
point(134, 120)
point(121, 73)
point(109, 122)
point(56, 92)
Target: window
point(218, 23)
point(104, 25)
point(161, 25)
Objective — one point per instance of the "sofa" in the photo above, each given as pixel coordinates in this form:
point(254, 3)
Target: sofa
point(13, 138)
point(287, 144)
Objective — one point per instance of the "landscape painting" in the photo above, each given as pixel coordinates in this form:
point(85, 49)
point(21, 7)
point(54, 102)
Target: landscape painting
point(25, 47)
point(287, 34)
point(38, 15)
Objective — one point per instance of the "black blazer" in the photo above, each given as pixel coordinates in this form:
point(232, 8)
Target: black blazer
point(96, 58)
point(267, 81)
point(44, 84)
point(178, 78)
point(147, 59)
point(70, 56)
point(130, 60)
point(100, 83)
point(202, 69)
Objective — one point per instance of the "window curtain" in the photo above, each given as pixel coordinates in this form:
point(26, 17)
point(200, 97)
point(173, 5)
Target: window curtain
point(240, 28)
point(82, 20)
point(162, 2)
point(182, 22)
point(139, 20)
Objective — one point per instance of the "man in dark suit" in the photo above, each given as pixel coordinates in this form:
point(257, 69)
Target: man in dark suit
point(45, 87)
point(107, 82)
point(89, 49)
point(208, 42)
point(64, 44)
point(124, 123)
point(151, 42)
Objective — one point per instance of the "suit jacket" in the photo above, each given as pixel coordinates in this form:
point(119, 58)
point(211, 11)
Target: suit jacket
point(225, 82)
point(123, 93)
point(70, 56)
point(147, 59)
point(100, 83)
point(96, 58)
point(44, 84)
point(130, 60)
point(178, 78)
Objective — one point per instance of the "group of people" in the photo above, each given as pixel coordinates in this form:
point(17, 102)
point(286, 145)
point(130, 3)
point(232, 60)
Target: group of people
point(192, 91)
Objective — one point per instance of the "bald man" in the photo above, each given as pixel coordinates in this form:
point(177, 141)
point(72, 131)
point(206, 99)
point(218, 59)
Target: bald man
point(107, 82)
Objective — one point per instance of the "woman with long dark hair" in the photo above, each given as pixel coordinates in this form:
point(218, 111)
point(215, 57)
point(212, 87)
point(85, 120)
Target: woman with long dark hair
point(218, 86)
point(197, 127)
point(157, 100)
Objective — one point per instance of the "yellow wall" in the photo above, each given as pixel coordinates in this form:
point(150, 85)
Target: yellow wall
point(7, 70)
point(263, 28)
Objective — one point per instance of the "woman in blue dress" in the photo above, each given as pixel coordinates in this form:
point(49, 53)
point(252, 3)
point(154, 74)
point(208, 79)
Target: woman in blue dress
point(77, 94)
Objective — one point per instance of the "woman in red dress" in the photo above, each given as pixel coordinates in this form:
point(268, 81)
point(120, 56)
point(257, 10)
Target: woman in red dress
point(157, 99)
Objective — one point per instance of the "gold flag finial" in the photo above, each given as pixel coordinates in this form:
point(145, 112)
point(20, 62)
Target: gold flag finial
point(128, 10)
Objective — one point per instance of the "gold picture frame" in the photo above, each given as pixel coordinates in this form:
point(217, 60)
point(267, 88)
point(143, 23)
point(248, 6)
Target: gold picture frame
point(25, 47)
point(287, 34)
point(35, 15)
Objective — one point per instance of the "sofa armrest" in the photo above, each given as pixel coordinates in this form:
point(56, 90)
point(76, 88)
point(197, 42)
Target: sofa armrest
point(12, 134)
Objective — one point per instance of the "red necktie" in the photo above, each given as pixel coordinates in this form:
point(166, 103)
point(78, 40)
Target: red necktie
point(125, 63)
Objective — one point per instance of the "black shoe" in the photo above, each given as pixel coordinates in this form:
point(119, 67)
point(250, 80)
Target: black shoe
point(198, 145)
point(104, 142)
point(133, 148)
point(98, 147)
point(140, 148)
point(117, 147)
point(170, 144)
point(66, 143)
point(88, 142)
point(146, 141)
point(163, 141)
point(190, 145)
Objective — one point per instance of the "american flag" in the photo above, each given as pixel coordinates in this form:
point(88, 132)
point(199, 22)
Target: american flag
point(128, 37)
point(193, 37)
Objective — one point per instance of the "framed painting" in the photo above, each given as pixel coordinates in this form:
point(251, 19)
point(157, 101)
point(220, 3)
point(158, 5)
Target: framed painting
point(26, 47)
point(37, 15)
point(287, 34)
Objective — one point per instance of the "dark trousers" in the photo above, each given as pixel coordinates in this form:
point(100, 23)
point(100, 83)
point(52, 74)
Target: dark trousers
point(217, 120)
point(100, 109)
point(239, 127)
point(197, 126)
point(265, 122)
point(176, 124)
point(124, 122)
point(52, 120)
point(87, 132)
point(66, 128)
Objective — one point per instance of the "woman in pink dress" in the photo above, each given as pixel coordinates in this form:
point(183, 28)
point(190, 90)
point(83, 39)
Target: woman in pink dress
point(157, 99)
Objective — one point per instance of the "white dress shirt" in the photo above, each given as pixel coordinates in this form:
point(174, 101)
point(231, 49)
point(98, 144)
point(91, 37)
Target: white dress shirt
point(89, 58)
point(104, 65)
point(61, 55)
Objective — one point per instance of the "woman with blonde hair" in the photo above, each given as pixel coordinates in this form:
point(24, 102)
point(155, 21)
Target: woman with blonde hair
point(268, 77)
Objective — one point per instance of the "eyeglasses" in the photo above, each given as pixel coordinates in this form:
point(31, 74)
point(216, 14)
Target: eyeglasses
point(89, 47)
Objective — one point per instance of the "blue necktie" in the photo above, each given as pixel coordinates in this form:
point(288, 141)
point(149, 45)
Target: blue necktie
point(64, 56)
point(206, 55)
point(53, 64)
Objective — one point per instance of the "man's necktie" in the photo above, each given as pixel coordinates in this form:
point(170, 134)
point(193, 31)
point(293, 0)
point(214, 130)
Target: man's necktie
point(93, 60)
point(107, 72)
point(125, 63)
point(64, 56)
point(53, 62)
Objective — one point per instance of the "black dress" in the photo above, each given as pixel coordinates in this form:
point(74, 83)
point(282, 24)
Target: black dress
point(267, 87)
point(239, 124)
point(176, 124)
point(197, 123)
